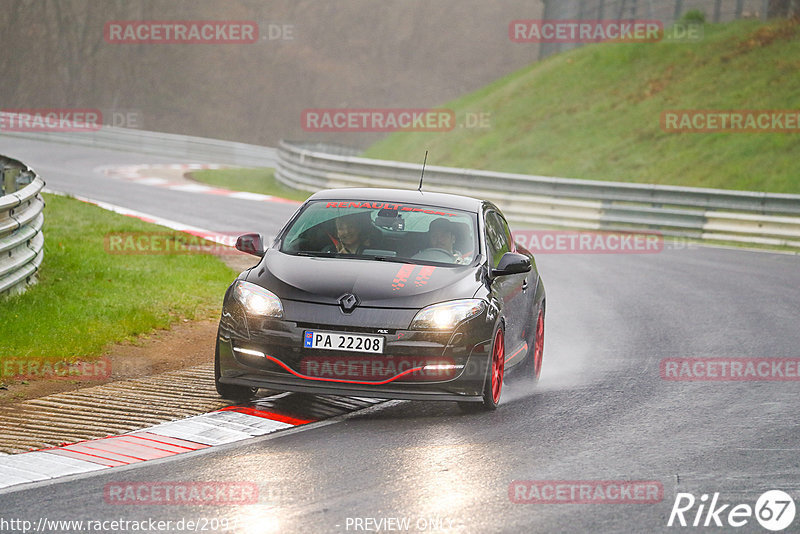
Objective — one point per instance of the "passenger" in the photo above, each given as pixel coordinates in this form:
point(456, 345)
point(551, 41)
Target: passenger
point(441, 243)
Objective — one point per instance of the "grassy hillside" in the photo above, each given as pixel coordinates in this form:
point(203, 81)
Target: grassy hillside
point(594, 113)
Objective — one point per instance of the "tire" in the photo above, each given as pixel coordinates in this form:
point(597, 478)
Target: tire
point(531, 368)
point(538, 345)
point(230, 391)
point(493, 385)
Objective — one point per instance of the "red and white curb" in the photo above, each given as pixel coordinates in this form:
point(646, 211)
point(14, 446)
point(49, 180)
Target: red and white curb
point(264, 416)
point(139, 174)
point(133, 173)
point(228, 425)
point(217, 237)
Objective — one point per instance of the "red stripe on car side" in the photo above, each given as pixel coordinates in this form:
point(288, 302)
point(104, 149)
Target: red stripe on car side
point(299, 375)
point(524, 347)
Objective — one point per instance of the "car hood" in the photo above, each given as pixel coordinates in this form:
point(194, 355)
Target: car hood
point(379, 284)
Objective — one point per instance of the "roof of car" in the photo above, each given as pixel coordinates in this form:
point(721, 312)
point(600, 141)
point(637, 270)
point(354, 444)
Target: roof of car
point(442, 200)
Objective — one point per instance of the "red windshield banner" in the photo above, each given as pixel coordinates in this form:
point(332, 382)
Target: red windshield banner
point(387, 206)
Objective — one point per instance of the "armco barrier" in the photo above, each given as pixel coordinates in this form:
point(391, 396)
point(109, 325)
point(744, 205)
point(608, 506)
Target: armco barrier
point(21, 220)
point(181, 148)
point(741, 216)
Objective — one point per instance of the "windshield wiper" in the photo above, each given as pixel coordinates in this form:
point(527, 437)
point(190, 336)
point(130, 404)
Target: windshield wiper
point(390, 259)
point(312, 254)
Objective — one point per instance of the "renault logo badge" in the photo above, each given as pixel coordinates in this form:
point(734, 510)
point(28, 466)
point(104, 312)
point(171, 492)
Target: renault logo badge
point(348, 302)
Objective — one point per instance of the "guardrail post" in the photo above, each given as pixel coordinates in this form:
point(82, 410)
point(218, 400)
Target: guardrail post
point(10, 180)
point(678, 9)
point(24, 178)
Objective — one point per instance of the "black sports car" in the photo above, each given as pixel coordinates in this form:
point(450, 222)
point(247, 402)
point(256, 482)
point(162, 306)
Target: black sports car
point(384, 293)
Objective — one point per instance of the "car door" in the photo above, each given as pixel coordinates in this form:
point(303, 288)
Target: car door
point(509, 290)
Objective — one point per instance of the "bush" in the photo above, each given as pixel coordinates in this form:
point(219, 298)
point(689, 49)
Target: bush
point(694, 16)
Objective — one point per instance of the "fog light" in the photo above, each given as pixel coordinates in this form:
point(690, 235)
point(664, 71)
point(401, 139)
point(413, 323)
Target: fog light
point(441, 367)
point(249, 352)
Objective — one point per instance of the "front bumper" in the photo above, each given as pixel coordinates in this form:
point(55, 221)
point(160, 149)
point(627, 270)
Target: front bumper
point(415, 365)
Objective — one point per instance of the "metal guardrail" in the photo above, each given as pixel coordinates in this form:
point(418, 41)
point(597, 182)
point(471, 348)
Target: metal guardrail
point(748, 217)
point(21, 221)
point(180, 147)
point(715, 214)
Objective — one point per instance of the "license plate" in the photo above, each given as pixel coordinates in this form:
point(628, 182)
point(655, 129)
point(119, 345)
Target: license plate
point(313, 339)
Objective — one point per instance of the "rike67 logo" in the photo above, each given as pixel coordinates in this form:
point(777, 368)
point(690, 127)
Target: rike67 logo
point(774, 510)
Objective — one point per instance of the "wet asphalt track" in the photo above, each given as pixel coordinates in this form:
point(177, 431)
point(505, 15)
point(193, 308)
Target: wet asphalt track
point(601, 410)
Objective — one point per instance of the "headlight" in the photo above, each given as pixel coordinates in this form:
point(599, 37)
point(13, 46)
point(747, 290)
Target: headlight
point(257, 300)
point(447, 315)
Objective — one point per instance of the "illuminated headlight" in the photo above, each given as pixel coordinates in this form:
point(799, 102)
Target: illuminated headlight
point(257, 300)
point(447, 315)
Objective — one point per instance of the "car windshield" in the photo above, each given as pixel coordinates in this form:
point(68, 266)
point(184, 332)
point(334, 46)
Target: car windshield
point(408, 233)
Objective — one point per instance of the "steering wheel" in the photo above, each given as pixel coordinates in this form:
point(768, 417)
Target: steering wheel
point(435, 254)
point(334, 241)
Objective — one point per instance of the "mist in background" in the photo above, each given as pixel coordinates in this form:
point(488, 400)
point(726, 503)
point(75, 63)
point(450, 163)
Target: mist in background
point(333, 54)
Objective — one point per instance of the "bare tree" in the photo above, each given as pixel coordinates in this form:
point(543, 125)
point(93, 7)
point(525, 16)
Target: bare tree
point(784, 8)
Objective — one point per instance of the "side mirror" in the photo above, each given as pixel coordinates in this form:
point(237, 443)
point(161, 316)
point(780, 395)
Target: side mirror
point(251, 244)
point(512, 263)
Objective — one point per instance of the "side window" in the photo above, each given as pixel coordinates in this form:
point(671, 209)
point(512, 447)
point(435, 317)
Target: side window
point(498, 237)
point(512, 246)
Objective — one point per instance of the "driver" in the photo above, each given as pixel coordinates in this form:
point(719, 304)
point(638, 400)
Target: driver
point(354, 233)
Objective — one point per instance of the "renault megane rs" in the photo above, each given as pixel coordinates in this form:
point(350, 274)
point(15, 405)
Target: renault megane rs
point(384, 293)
